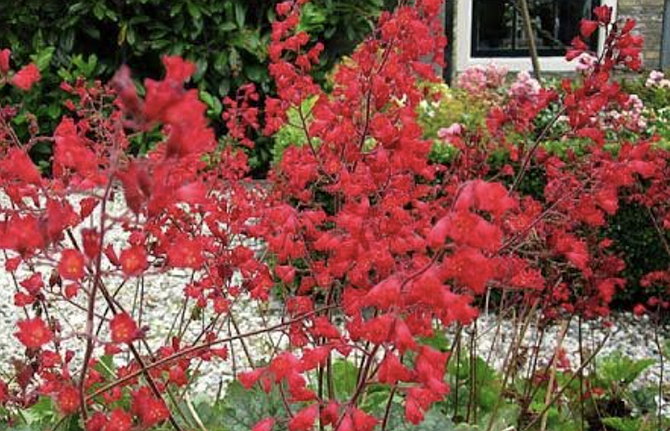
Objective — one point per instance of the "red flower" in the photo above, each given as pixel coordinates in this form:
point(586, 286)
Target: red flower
point(97, 422)
point(587, 27)
point(4, 393)
point(150, 410)
point(178, 69)
point(91, 242)
point(133, 261)
point(604, 14)
point(119, 420)
point(177, 376)
point(4, 61)
point(123, 328)
point(264, 425)
point(391, 370)
point(16, 165)
point(33, 333)
point(639, 310)
point(67, 400)
point(33, 284)
point(304, 419)
point(71, 265)
point(249, 378)
point(26, 77)
point(186, 254)
point(363, 421)
point(71, 290)
point(384, 295)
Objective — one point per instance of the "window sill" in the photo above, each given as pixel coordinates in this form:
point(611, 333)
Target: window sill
point(517, 64)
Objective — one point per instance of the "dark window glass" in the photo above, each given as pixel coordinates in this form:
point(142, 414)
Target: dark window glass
point(498, 30)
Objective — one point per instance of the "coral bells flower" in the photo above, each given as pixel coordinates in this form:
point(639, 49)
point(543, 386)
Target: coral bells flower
point(4, 393)
point(16, 165)
point(119, 420)
point(133, 261)
point(67, 400)
point(123, 328)
point(71, 265)
point(304, 419)
point(264, 425)
point(186, 254)
point(4, 61)
point(33, 333)
point(588, 27)
point(26, 77)
point(150, 410)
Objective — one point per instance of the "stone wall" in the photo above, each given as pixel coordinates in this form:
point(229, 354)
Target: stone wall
point(649, 17)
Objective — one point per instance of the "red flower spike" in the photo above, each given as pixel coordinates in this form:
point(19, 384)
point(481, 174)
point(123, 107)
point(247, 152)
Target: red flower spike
point(363, 421)
point(33, 284)
point(91, 243)
point(178, 69)
point(604, 14)
point(123, 329)
point(17, 165)
point(71, 265)
point(26, 77)
point(119, 420)
point(304, 419)
point(67, 400)
point(133, 261)
point(4, 393)
point(264, 425)
point(150, 410)
point(588, 27)
point(186, 254)
point(33, 333)
point(97, 422)
point(4, 61)
point(391, 370)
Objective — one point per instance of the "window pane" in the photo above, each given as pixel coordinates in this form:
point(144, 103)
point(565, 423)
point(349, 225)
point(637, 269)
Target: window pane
point(498, 28)
point(493, 27)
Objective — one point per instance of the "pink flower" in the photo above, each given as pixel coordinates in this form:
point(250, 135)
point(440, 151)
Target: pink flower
point(455, 129)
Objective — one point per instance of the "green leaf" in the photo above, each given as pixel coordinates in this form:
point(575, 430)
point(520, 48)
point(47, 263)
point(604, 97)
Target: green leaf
point(620, 370)
point(255, 72)
point(224, 87)
point(623, 424)
point(241, 409)
point(193, 10)
point(438, 341)
point(221, 62)
point(227, 26)
point(99, 11)
point(43, 58)
point(434, 420)
point(345, 375)
point(240, 14)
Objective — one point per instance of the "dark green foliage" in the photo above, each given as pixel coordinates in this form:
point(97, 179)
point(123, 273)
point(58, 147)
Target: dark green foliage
point(227, 40)
point(637, 241)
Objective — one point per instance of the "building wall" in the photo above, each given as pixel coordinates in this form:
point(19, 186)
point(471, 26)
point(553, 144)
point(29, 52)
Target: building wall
point(649, 17)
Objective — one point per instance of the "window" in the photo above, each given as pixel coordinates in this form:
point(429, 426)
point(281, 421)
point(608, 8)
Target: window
point(498, 29)
point(488, 31)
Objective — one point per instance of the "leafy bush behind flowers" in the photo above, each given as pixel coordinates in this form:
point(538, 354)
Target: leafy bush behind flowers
point(226, 40)
point(375, 250)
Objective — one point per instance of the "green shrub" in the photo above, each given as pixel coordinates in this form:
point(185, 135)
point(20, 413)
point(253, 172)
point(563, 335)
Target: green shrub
point(226, 39)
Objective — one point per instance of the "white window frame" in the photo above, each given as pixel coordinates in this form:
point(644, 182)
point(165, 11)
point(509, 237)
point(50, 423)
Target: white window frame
point(463, 46)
